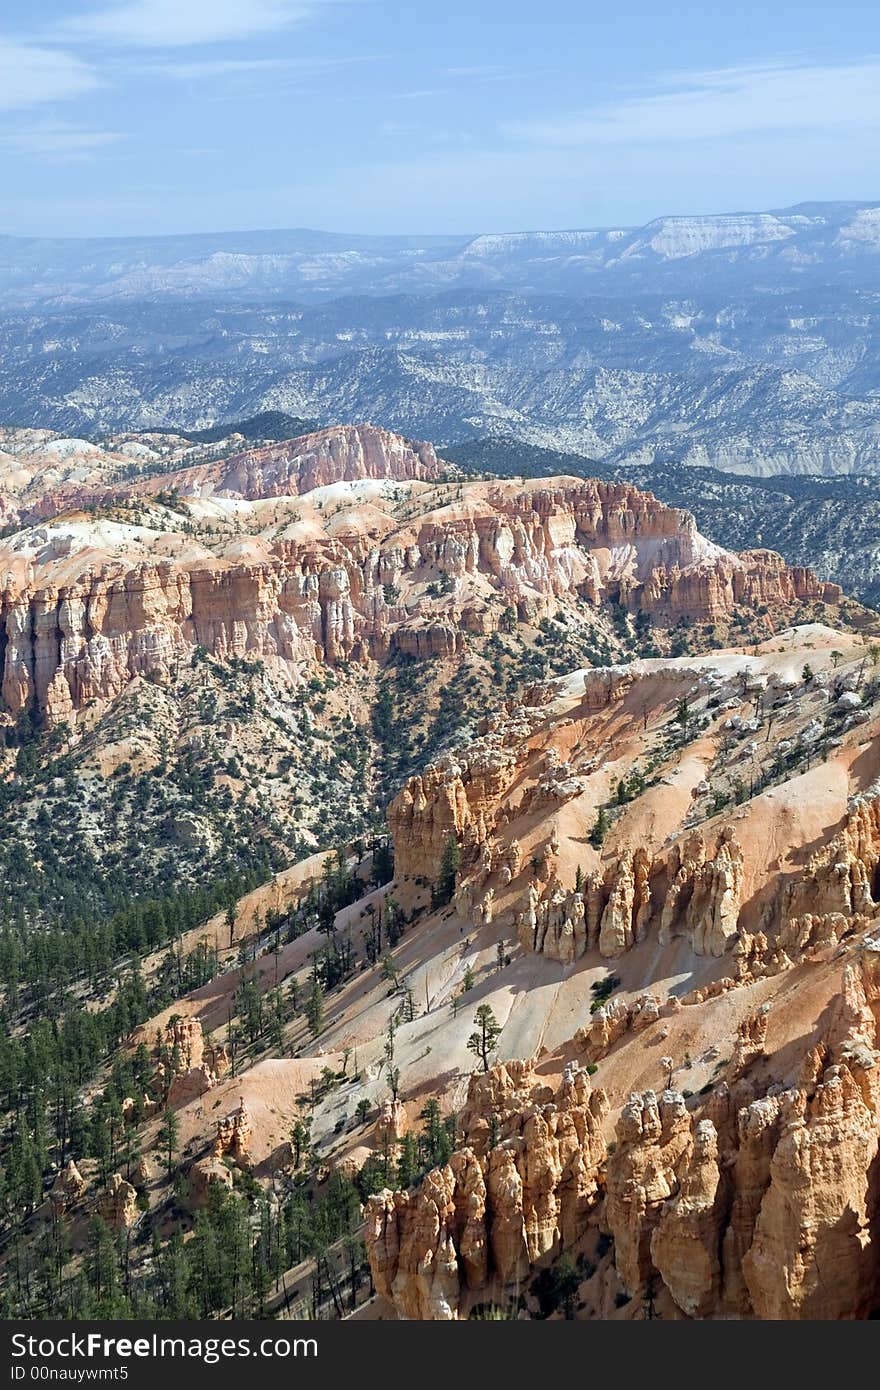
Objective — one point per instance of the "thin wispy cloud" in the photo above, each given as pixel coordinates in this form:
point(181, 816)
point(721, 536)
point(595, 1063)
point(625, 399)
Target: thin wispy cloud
point(722, 102)
point(485, 71)
point(31, 75)
point(441, 121)
point(419, 94)
point(58, 141)
point(220, 67)
point(183, 23)
point(211, 68)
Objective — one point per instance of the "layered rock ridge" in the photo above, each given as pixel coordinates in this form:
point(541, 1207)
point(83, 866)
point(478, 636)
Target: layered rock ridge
point(701, 883)
point(470, 562)
point(289, 468)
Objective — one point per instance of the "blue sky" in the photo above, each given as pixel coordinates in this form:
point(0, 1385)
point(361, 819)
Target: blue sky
point(146, 116)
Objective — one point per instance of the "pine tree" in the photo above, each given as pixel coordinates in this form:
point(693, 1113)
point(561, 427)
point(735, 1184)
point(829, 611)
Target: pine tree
point(482, 1043)
point(168, 1138)
point(30, 1180)
point(393, 921)
point(383, 862)
point(449, 866)
point(408, 1161)
point(392, 1073)
point(175, 1275)
point(315, 1008)
point(102, 1271)
point(600, 828)
point(231, 918)
point(436, 1140)
point(299, 1142)
point(683, 715)
point(276, 1034)
point(100, 1145)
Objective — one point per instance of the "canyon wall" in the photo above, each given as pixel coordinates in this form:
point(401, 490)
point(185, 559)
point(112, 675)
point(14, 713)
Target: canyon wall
point(289, 468)
point(758, 1196)
point(759, 1200)
point(691, 883)
point(358, 596)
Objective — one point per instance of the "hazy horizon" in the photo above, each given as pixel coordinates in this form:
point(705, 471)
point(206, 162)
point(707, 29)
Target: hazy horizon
point(407, 234)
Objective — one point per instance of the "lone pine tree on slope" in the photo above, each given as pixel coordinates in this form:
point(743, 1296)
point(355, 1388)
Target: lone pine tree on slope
point(482, 1043)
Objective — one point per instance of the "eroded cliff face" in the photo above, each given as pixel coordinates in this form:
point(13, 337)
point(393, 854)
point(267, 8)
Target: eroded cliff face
point(694, 888)
point(551, 762)
point(758, 1200)
point(343, 453)
point(712, 827)
point(371, 581)
point(289, 468)
point(492, 1212)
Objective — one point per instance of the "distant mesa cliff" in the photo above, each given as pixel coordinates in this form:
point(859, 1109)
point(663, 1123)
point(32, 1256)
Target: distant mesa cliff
point(366, 581)
point(291, 467)
point(341, 454)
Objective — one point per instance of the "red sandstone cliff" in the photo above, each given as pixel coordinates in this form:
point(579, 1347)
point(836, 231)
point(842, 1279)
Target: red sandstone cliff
point(355, 595)
point(291, 467)
point(758, 1200)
